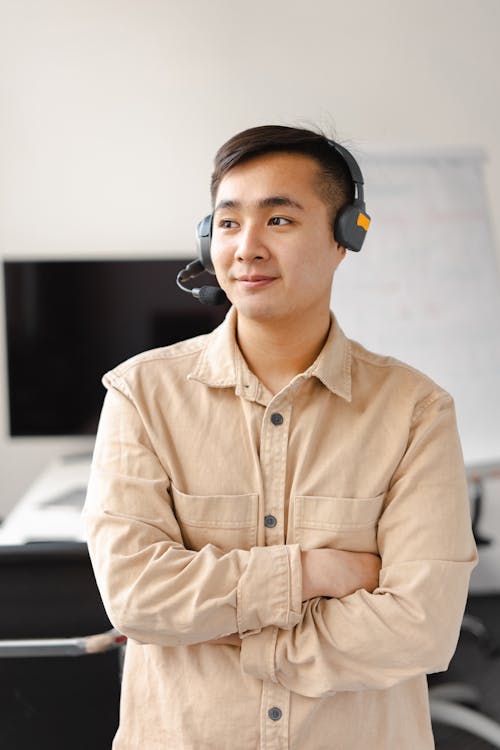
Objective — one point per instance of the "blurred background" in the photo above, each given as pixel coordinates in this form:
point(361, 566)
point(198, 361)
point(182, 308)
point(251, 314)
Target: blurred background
point(111, 112)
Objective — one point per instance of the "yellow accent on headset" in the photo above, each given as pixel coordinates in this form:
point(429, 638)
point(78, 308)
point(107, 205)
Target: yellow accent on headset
point(363, 221)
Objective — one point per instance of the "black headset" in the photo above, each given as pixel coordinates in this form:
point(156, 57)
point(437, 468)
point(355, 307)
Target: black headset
point(350, 228)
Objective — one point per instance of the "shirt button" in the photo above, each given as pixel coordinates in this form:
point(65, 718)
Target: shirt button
point(270, 521)
point(275, 713)
point(277, 418)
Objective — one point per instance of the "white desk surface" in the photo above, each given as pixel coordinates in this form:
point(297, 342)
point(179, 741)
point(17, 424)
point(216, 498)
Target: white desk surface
point(48, 512)
point(51, 508)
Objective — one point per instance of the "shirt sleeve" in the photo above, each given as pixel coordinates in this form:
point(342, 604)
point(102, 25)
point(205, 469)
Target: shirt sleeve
point(410, 624)
point(153, 588)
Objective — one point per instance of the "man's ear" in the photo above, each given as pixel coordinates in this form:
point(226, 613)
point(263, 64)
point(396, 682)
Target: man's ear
point(340, 252)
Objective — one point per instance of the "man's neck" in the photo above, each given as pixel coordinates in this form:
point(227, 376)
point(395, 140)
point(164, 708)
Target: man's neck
point(276, 351)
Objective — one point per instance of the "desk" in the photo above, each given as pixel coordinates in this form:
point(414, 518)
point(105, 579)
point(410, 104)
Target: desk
point(54, 702)
point(485, 578)
point(51, 508)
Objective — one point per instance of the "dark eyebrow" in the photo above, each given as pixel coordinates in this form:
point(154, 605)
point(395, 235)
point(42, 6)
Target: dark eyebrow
point(227, 204)
point(269, 202)
point(279, 200)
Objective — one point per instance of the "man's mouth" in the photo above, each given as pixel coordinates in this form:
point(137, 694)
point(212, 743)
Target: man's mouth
point(255, 281)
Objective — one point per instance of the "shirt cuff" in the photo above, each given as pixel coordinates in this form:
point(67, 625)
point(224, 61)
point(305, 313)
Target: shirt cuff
point(270, 590)
point(257, 655)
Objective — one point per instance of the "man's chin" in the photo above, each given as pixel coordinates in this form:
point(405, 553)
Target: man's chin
point(258, 311)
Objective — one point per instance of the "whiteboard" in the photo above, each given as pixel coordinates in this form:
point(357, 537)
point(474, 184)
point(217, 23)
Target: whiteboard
point(425, 288)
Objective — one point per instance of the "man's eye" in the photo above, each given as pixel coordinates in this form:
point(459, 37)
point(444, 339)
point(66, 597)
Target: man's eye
point(278, 221)
point(227, 224)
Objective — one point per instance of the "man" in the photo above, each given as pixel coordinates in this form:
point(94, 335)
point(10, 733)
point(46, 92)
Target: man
point(278, 519)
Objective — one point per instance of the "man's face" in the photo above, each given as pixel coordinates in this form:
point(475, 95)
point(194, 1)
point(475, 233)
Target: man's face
point(272, 245)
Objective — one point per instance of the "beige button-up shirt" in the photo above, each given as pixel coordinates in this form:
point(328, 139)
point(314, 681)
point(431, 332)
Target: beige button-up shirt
point(204, 489)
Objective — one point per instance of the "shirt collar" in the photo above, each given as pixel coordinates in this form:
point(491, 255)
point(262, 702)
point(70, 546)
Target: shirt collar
point(216, 365)
point(221, 364)
point(333, 364)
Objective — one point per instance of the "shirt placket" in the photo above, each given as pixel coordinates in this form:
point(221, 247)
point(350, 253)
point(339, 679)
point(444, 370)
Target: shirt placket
point(273, 458)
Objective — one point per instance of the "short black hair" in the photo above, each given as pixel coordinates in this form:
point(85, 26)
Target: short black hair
point(335, 185)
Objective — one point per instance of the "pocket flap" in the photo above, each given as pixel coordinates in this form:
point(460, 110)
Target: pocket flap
point(313, 512)
point(216, 511)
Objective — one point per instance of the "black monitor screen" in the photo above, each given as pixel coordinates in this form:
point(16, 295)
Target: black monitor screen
point(68, 322)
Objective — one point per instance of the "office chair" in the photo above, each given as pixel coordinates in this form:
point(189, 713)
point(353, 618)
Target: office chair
point(455, 703)
point(59, 656)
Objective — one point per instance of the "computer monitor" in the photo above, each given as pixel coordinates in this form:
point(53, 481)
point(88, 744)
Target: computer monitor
point(68, 322)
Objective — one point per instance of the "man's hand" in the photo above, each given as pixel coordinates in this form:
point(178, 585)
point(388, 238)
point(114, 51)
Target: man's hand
point(328, 572)
point(227, 640)
point(337, 573)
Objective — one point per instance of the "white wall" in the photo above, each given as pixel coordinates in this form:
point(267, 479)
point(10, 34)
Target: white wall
point(111, 110)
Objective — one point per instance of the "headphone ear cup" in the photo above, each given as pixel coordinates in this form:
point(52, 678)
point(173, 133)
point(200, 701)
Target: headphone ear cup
point(351, 225)
point(203, 242)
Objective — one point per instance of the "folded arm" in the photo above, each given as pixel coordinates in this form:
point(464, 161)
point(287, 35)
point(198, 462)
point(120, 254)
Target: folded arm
point(153, 588)
point(330, 573)
point(409, 624)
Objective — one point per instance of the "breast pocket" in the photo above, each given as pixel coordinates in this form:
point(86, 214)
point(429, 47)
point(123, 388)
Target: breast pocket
point(226, 521)
point(338, 522)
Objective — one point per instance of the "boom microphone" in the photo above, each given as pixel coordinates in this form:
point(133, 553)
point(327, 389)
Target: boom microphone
point(210, 295)
point(207, 295)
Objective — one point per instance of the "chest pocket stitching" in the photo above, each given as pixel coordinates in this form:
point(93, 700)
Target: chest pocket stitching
point(339, 505)
point(200, 505)
point(217, 524)
point(335, 526)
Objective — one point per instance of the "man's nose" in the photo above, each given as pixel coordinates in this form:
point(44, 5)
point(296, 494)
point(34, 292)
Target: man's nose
point(250, 245)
